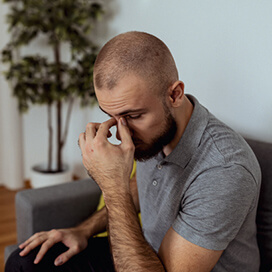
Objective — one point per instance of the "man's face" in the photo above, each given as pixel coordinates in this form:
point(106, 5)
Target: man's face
point(151, 124)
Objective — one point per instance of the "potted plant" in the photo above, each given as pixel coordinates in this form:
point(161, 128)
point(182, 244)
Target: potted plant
point(37, 80)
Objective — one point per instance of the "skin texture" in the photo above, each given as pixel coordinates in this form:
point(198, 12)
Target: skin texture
point(151, 126)
point(139, 53)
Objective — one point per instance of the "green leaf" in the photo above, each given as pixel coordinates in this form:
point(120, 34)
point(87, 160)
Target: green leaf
point(36, 79)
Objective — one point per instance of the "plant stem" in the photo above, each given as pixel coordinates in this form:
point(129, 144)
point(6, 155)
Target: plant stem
point(59, 145)
point(59, 106)
point(50, 137)
point(68, 117)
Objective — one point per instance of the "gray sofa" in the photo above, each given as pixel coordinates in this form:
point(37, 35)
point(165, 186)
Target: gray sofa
point(68, 204)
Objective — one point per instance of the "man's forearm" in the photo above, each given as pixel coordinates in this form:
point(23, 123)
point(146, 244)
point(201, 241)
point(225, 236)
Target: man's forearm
point(130, 250)
point(95, 224)
point(98, 222)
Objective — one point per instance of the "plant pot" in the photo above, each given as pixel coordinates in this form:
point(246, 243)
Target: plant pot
point(40, 177)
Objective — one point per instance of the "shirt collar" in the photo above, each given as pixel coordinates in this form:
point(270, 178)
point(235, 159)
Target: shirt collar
point(191, 137)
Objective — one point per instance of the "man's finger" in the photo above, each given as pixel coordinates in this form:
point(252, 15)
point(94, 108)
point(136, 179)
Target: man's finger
point(31, 246)
point(104, 128)
point(91, 130)
point(124, 132)
point(44, 248)
point(81, 140)
point(30, 239)
point(64, 257)
point(24, 244)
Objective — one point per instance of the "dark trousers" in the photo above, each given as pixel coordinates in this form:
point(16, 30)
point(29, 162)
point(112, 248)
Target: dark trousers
point(96, 257)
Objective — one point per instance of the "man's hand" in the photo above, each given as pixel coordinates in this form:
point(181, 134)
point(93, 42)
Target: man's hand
point(74, 239)
point(108, 164)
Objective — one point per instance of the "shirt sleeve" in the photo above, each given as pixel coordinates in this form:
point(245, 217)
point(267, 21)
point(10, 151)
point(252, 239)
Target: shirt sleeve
point(215, 206)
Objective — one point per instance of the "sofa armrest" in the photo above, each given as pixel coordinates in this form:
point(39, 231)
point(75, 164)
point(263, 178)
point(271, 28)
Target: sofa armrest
point(60, 206)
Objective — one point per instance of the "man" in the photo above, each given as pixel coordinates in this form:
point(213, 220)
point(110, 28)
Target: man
point(197, 180)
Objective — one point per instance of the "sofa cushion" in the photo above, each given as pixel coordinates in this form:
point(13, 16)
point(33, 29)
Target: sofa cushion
point(9, 250)
point(263, 152)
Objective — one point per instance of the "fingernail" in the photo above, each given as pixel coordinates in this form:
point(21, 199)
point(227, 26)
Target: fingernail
point(58, 262)
point(123, 121)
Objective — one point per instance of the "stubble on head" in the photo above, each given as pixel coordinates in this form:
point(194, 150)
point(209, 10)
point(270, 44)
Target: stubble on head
point(148, 57)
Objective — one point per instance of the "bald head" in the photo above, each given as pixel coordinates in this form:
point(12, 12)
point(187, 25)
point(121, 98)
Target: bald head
point(136, 53)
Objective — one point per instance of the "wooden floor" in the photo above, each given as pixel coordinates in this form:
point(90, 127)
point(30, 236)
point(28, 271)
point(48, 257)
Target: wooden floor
point(7, 221)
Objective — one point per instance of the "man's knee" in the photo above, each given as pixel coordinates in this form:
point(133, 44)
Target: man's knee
point(26, 263)
point(17, 263)
point(96, 257)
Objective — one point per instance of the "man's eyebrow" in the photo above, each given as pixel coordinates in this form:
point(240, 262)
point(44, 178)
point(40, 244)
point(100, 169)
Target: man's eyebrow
point(125, 112)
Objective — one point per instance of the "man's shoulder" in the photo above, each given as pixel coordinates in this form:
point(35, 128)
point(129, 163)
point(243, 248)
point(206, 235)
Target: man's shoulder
point(220, 142)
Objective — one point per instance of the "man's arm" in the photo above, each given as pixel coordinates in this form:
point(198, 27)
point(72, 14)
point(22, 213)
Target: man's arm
point(98, 222)
point(178, 254)
point(130, 250)
point(74, 238)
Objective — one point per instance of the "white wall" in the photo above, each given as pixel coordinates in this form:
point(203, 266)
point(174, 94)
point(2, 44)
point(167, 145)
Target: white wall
point(11, 147)
point(223, 51)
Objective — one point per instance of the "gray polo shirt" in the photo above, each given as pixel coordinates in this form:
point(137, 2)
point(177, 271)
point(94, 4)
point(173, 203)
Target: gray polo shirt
point(207, 189)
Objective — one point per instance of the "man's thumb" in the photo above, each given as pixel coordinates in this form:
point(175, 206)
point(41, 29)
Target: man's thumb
point(64, 257)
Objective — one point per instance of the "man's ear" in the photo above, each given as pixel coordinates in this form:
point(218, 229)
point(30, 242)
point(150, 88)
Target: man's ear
point(175, 94)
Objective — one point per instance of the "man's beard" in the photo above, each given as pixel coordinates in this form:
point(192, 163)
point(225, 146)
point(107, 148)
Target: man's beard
point(147, 151)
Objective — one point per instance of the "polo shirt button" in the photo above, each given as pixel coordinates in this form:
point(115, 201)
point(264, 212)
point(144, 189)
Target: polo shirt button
point(154, 182)
point(159, 166)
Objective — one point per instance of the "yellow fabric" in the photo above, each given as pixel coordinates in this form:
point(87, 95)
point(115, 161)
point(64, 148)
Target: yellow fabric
point(102, 202)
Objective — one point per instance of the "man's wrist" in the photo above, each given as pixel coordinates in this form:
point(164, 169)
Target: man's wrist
point(116, 197)
point(84, 230)
point(95, 224)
